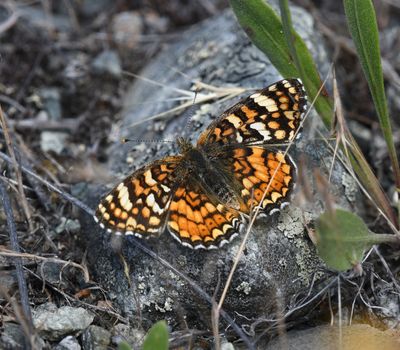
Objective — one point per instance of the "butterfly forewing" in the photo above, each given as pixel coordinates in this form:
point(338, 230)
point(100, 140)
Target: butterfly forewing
point(139, 204)
point(268, 116)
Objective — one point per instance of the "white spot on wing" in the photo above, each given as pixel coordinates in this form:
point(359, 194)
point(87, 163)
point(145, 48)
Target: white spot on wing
point(149, 178)
point(165, 188)
point(260, 127)
point(151, 202)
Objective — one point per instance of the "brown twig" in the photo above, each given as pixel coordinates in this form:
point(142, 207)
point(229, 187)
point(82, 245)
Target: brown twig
point(18, 174)
point(10, 21)
point(66, 124)
point(80, 302)
point(19, 315)
point(304, 302)
point(51, 187)
point(17, 254)
point(12, 102)
point(386, 266)
point(23, 289)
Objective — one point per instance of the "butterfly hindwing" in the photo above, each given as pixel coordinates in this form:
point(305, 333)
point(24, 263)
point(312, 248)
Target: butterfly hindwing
point(198, 220)
point(264, 177)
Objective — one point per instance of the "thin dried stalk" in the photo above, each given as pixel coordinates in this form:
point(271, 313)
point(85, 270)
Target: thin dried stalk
point(18, 174)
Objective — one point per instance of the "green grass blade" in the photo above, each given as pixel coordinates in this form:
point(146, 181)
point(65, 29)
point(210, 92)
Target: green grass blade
point(361, 19)
point(157, 337)
point(266, 31)
point(124, 346)
point(264, 28)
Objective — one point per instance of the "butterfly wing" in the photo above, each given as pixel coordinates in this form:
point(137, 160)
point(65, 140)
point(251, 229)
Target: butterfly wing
point(198, 219)
point(139, 204)
point(269, 116)
point(264, 178)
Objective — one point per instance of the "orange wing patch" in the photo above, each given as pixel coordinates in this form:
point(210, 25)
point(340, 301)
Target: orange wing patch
point(260, 171)
point(197, 221)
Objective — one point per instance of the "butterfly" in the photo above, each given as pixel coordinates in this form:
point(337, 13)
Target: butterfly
point(205, 195)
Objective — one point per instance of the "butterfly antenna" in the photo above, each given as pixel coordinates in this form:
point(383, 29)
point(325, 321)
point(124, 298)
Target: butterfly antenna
point(126, 140)
point(189, 113)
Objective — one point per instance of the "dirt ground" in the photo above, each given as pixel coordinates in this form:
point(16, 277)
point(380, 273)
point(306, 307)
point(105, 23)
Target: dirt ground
point(63, 73)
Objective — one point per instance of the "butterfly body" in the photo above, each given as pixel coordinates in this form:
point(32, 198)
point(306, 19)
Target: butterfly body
point(204, 194)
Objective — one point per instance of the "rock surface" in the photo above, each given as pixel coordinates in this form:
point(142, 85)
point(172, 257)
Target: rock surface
point(122, 332)
point(68, 343)
point(12, 336)
point(53, 323)
point(279, 261)
point(95, 338)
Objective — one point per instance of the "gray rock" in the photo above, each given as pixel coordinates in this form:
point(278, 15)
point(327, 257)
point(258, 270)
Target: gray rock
point(126, 29)
point(77, 68)
point(92, 8)
point(122, 332)
point(68, 225)
point(9, 283)
point(50, 271)
point(12, 336)
point(107, 62)
point(95, 338)
point(68, 343)
point(279, 261)
point(51, 100)
point(38, 17)
point(227, 346)
point(53, 323)
point(389, 308)
point(53, 141)
point(355, 337)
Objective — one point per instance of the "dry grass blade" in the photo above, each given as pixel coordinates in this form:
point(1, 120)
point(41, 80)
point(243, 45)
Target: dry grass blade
point(215, 93)
point(322, 185)
point(10, 253)
point(297, 307)
point(200, 98)
point(26, 326)
point(18, 174)
point(80, 302)
point(357, 164)
point(51, 187)
point(350, 169)
point(10, 21)
point(339, 295)
point(387, 268)
point(26, 317)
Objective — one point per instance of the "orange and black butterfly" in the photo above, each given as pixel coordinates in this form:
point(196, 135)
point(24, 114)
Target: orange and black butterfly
point(204, 195)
